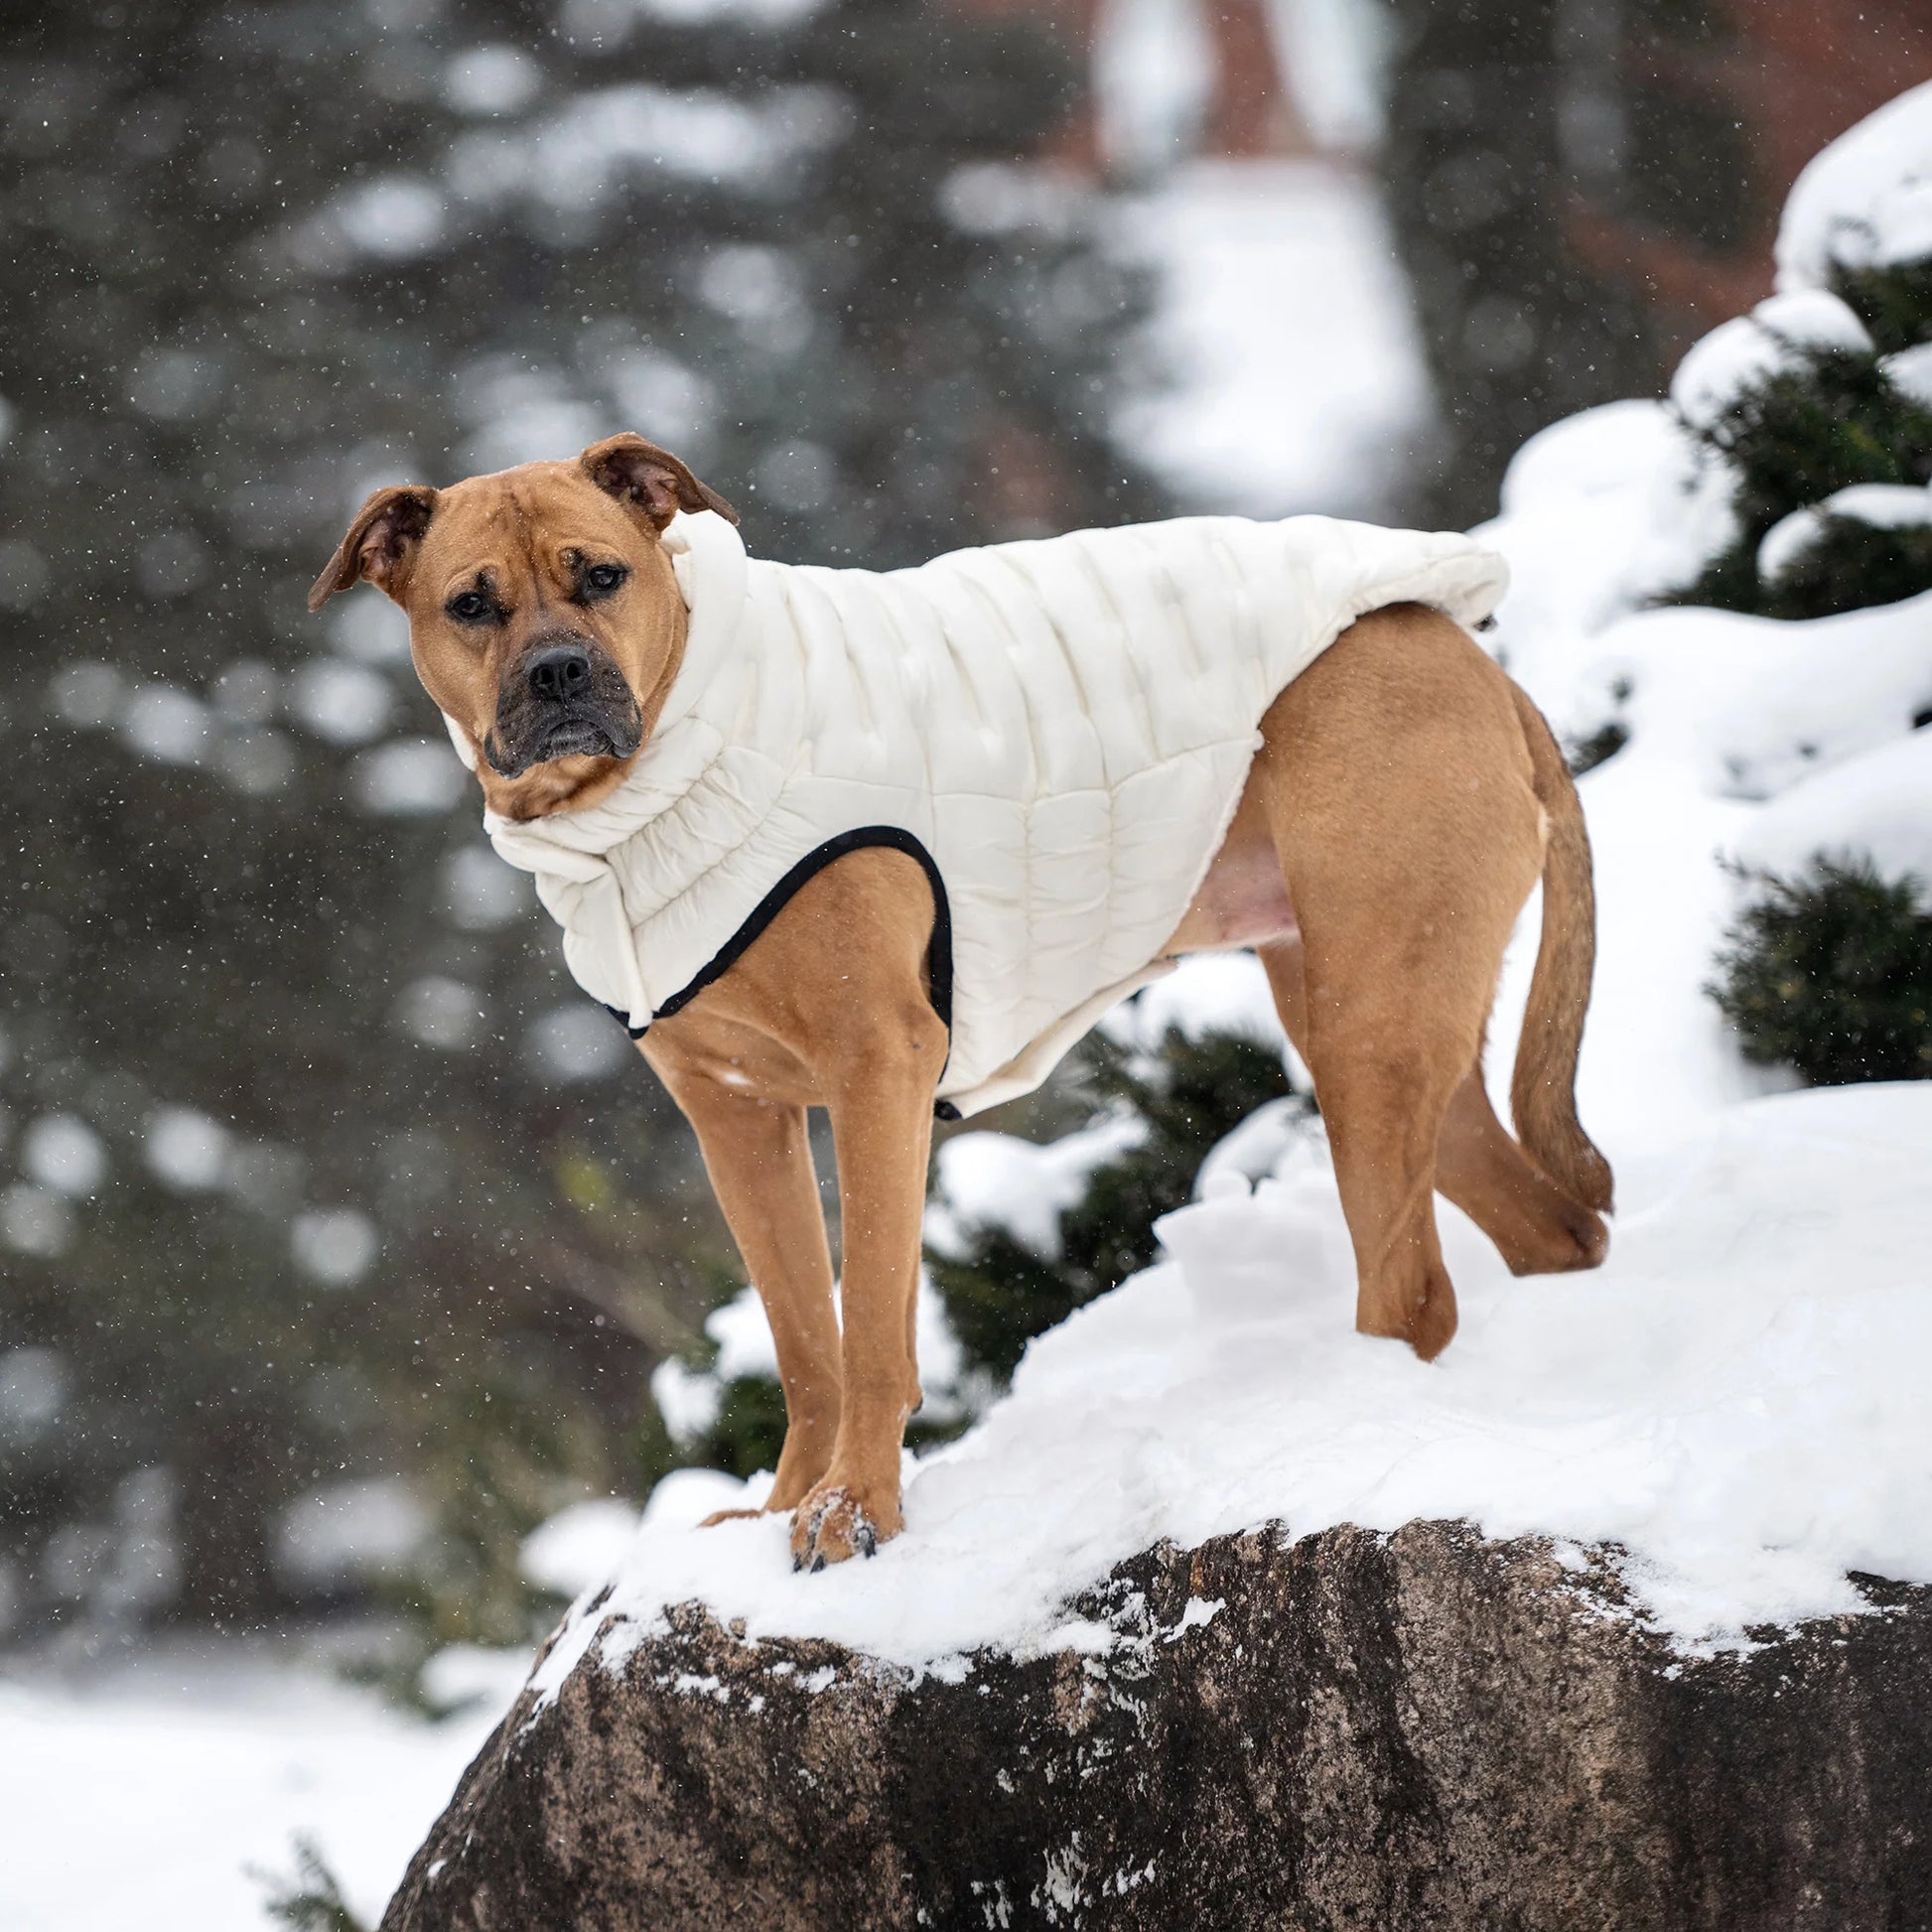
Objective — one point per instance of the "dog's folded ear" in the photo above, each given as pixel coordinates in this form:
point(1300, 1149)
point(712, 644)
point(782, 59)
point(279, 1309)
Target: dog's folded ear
point(655, 480)
point(378, 544)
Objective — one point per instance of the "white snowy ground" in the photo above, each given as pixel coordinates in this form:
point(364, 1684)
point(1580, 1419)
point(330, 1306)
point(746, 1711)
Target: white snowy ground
point(145, 1797)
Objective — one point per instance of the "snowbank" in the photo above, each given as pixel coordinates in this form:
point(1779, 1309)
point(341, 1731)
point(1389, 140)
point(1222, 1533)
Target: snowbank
point(147, 1799)
point(1737, 1395)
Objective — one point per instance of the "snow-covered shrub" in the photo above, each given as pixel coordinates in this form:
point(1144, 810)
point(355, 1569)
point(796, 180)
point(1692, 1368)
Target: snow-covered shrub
point(1724, 605)
point(1825, 418)
point(1048, 1228)
point(1816, 407)
point(1849, 564)
point(1892, 302)
point(1831, 974)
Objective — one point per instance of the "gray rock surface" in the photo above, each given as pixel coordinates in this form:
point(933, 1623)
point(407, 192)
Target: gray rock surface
point(1423, 1730)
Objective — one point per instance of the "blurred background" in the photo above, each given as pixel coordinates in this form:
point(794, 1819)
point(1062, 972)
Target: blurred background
point(342, 1240)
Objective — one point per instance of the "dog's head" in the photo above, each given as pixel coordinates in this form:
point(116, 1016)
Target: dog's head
point(544, 619)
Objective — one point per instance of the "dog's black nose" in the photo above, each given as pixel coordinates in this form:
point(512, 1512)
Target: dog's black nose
point(559, 673)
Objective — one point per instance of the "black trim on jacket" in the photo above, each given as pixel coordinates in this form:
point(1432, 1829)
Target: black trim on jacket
point(893, 838)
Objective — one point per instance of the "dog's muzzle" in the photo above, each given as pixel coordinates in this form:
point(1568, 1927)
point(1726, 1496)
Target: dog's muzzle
point(565, 699)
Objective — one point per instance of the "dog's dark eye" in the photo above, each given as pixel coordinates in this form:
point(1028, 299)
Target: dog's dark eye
point(601, 578)
point(469, 606)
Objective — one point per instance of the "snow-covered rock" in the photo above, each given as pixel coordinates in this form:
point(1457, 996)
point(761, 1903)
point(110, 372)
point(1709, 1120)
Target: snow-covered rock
point(1735, 1398)
point(1418, 1732)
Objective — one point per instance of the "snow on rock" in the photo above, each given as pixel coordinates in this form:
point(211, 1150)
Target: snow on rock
point(1736, 1397)
point(1407, 1731)
point(1867, 199)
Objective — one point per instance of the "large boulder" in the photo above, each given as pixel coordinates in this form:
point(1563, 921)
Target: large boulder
point(1424, 1730)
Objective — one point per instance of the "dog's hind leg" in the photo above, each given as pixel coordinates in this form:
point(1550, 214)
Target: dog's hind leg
point(1398, 795)
point(1537, 1227)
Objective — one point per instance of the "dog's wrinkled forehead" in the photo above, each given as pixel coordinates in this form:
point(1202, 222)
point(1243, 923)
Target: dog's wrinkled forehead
point(629, 487)
point(519, 526)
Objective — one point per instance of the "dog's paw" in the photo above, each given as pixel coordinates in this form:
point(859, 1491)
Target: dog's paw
point(835, 1522)
point(718, 1516)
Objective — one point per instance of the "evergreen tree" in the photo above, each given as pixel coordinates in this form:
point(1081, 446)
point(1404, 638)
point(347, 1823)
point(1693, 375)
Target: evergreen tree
point(1828, 419)
point(1831, 974)
point(375, 1191)
point(1494, 117)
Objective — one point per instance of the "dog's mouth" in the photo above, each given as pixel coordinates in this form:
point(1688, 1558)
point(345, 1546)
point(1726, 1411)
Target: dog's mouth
point(570, 732)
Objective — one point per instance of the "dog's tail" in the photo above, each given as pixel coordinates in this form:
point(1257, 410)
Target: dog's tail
point(1542, 1091)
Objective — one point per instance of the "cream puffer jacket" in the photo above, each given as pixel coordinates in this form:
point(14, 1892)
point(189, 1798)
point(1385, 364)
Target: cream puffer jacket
point(1057, 730)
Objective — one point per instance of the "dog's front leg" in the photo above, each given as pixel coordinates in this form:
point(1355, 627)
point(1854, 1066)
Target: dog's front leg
point(758, 1156)
point(880, 1102)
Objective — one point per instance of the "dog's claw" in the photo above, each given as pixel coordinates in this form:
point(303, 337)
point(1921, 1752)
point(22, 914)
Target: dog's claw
point(833, 1525)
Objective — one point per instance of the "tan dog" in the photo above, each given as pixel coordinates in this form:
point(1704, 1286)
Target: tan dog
point(1406, 798)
